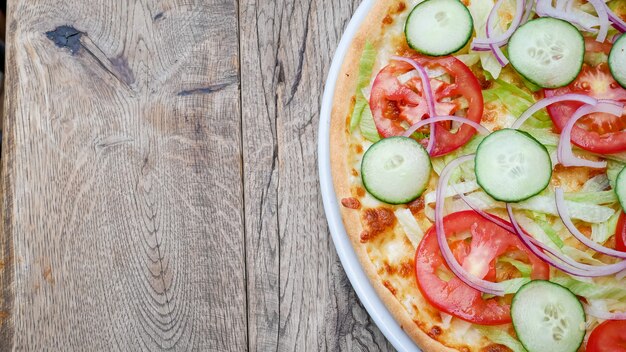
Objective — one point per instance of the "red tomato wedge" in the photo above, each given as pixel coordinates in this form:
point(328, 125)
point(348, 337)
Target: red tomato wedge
point(609, 336)
point(598, 133)
point(395, 105)
point(476, 244)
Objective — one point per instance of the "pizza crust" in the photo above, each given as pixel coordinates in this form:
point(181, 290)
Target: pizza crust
point(339, 147)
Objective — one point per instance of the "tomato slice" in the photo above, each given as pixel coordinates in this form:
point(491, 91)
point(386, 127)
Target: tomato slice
point(476, 244)
point(609, 336)
point(395, 105)
point(599, 133)
point(620, 233)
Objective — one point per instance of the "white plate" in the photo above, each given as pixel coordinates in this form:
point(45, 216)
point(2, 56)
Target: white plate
point(375, 307)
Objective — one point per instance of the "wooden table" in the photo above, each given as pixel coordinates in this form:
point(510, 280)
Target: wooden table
point(160, 179)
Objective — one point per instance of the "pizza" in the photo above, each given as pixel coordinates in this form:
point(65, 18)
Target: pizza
point(477, 150)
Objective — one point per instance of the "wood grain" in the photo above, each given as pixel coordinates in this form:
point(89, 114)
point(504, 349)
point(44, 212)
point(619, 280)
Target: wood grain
point(122, 215)
point(298, 296)
point(151, 204)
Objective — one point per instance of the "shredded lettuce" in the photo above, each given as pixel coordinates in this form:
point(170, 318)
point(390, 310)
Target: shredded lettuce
point(480, 9)
point(601, 305)
point(587, 212)
point(469, 59)
point(517, 91)
point(618, 7)
point(600, 233)
point(523, 268)
point(515, 104)
point(513, 285)
point(580, 256)
point(367, 125)
point(604, 305)
point(532, 226)
point(410, 226)
point(510, 286)
point(501, 337)
point(619, 157)
point(596, 184)
point(613, 169)
point(544, 223)
point(530, 85)
point(366, 66)
point(516, 101)
point(479, 199)
point(466, 170)
point(454, 205)
point(600, 197)
point(453, 190)
point(490, 64)
point(545, 136)
point(438, 164)
point(583, 16)
point(608, 289)
point(595, 58)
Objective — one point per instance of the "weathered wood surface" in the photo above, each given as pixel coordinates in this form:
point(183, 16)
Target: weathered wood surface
point(160, 179)
point(298, 296)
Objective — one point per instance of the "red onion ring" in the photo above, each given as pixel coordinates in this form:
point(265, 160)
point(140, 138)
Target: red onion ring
point(544, 8)
point(478, 127)
point(561, 208)
point(481, 48)
point(528, 11)
point(618, 23)
point(615, 103)
point(549, 101)
point(471, 280)
point(478, 44)
point(564, 151)
point(482, 45)
point(428, 95)
point(502, 39)
point(603, 314)
point(603, 16)
point(497, 52)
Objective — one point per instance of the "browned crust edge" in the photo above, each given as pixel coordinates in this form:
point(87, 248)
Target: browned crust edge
point(339, 147)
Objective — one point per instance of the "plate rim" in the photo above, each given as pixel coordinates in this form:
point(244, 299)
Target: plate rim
point(349, 260)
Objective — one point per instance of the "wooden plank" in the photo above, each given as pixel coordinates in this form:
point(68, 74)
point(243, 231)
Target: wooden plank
point(123, 224)
point(299, 298)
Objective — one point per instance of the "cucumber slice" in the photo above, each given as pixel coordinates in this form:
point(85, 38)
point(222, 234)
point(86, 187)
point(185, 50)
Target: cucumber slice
point(548, 317)
point(620, 188)
point(547, 51)
point(396, 170)
point(512, 166)
point(439, 27)
point(617, 60)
